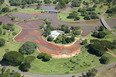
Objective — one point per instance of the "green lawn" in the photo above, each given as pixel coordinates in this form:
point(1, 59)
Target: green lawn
point(10, 44)
point(63, 16)
point(108, 16)
point(82, 62)
point(27, 11)
point(109, 36)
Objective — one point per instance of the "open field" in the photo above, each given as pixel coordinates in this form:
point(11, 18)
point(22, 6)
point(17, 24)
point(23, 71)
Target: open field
point(110, 72)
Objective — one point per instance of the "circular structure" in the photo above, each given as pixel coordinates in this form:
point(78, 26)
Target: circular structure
point(30, 33)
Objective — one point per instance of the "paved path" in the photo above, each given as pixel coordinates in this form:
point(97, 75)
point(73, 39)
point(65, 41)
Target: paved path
point(105, 24)
point(69, 75)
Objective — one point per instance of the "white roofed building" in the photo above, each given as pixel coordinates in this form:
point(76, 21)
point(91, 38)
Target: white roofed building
point(56, 33)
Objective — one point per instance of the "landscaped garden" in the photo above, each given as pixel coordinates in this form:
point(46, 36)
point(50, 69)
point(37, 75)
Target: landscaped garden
point(28, 40)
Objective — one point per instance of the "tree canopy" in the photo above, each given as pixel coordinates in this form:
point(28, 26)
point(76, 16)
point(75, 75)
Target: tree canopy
point(2, 42)
point(44, 56)
point(12, 58)
point(28, 47)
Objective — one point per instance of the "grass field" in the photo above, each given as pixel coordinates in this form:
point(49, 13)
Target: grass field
point(10, 44)
point(108, 16)
point(109, 36)
point(80, 63)
point(110, 72)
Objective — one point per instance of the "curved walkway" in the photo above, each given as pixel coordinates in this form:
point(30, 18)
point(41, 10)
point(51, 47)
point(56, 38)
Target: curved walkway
point(69, 75)
point(105, 24)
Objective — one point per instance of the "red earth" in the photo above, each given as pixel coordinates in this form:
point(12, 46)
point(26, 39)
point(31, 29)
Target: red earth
point(44, 46)
point(32, 34)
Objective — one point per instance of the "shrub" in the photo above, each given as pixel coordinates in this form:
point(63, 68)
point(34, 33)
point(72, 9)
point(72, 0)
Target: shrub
point(44, 56)
point(0, 23)
point(14, 33)
point(13, 58)
point(77, 18)
point(50, 38)
point(84, 42)
point(101, 34)
point(97, 49)
point(29, 59)
point(91, 73)
point(28, 48)
point(2, 42)
point(25, 67)
point(104, 60)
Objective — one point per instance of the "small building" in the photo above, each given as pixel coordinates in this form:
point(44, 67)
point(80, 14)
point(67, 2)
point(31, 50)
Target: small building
point(56, 33)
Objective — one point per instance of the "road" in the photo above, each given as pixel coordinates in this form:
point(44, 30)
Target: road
point(105, 24)
point(68, 75)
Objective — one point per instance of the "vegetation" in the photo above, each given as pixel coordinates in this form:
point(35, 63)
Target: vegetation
point(2, 42)
point(28, 48)
point(21, 2)
point(100, 33)
point(12, 58)
point(26, 65)
point(104, 60)
point(44, 56)
point(91, 73)
point(8, 73)
point(8, 26)
point(69, 33)
point(47, 65)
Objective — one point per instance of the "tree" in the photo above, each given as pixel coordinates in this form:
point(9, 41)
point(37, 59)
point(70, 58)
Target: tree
point(12, 58)
point(76, 3)
point(5, 9)
point(104, 60)
point(2, 42)
point(0, 22)
point(101, 28)
point(91, 73)
point(77, 18)
point(0, 31)
point(44, 56)
point(97, 49)
point(67, 30)
point(76, 32)
point(101, 34)
point(27, 63)
point(75, 28)
point(87, 17)
point(50, 38)
point(28, 47)
point(29, 59)
point(3, 69)
point(84, 42)
point(25, 67)
point(1, 2)
point(73, 15)
point(95, 34)
point(47, 1)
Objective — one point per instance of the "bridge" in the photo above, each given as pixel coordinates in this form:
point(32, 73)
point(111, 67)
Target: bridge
point(105, 24)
